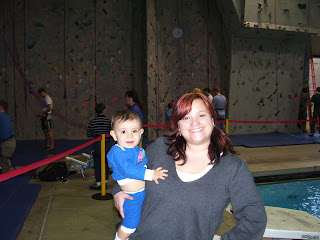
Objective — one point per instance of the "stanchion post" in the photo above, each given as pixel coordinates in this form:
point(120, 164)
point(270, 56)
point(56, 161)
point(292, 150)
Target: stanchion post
point(227, 126)
point(103, 195)
point(103, 165)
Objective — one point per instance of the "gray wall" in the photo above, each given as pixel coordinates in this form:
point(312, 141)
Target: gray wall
point(84, 52)
point(265, 84)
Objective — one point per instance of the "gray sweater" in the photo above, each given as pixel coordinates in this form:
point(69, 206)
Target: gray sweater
point(194, 210)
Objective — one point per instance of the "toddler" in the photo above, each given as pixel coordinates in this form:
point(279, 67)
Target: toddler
point(128, 162)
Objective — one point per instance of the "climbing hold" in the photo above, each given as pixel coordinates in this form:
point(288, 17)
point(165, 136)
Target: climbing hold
point(177, 32)
point(285, 10)
point(302, 5)
point(259, 7)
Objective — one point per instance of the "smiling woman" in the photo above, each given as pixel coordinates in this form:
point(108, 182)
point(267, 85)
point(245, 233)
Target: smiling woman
point(196, 127)
point(193, 123)
point(204, 176)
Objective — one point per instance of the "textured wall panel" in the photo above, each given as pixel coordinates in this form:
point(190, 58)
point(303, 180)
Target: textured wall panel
point(265, 85)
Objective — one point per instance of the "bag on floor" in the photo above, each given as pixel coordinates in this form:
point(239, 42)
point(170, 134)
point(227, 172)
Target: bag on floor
point(54, 172)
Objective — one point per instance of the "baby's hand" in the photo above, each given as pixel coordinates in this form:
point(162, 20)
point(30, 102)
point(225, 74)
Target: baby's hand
point(159, 173)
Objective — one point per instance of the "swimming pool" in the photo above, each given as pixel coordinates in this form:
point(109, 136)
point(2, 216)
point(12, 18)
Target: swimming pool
point(298, 195)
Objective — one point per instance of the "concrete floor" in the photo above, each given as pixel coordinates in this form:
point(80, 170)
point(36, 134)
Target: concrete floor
point(67, 210)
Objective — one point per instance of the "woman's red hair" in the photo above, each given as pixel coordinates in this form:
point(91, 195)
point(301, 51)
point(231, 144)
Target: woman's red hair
point(219, 141)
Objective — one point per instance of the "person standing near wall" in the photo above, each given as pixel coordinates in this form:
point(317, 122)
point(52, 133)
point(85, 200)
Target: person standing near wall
point(133, 103)
point(97, 126)
point(46, 117)
point(303, 109)
point(169, 113)
point(7, 140)
point(315, 101)
point(196, 90)
point(206, 92)
point(220, 102)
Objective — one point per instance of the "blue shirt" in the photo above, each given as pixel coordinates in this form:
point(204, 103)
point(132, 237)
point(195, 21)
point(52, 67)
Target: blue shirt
point(135, 108)
point(127, 162)
point(6, 130)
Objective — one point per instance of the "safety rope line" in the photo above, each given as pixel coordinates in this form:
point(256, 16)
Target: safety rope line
point(40, 163)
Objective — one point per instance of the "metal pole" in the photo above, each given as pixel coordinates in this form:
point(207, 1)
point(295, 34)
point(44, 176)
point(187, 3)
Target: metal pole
point(103, 195)
point(227, 126)
point(103, 165)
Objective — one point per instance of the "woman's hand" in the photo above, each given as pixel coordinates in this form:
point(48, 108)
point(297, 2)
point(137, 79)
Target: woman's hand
point(119, 199)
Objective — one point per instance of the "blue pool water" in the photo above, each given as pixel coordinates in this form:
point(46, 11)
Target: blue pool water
point(298, 195)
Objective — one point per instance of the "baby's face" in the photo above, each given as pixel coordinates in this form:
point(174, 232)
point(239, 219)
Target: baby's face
point(128, 133)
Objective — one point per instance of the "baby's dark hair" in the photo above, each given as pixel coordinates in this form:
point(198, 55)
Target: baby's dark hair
point(124, 115)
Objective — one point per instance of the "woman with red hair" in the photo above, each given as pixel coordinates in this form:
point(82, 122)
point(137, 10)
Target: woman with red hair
point(204, 176)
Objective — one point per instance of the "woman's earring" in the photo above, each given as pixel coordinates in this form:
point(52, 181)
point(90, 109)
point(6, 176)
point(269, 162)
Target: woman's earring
point(179, 133)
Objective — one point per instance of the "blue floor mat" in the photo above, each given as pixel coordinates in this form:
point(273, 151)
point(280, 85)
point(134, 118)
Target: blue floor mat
point(62, 145)
point(29, 151)
point(16, 200)
point(271, 139)
point(236, 140)
point(315, 138)
point(19, 179)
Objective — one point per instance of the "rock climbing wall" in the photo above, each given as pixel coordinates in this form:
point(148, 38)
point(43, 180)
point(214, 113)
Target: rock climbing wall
point(288, 15)
point(265, 85)
point(12, 87)
point(81, 52)
point(270, 64)
point(85, 52)
point(184, 42)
